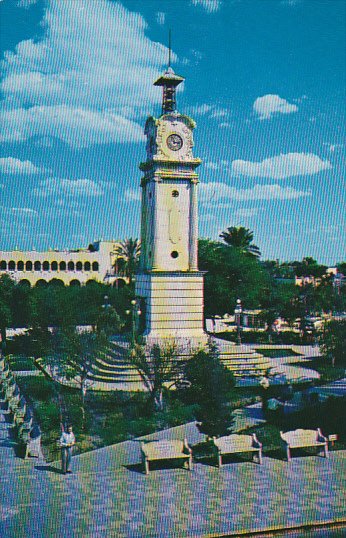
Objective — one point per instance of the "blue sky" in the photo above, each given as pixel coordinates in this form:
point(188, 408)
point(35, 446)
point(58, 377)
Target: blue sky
point(265, 82)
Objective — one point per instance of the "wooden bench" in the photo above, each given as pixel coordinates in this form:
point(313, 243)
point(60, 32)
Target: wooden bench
point(235, 443)
point(304, 439)
point(165, 450)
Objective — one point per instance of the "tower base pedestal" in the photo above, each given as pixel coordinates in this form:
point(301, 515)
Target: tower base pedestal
point(172, 304)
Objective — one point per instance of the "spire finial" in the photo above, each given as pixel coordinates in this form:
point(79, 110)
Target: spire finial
point(169, 47)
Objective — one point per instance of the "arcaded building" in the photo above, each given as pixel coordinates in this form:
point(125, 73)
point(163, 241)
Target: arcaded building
point(97, 263)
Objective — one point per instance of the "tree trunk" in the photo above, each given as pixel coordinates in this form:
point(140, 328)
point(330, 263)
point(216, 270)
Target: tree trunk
point(158, 400)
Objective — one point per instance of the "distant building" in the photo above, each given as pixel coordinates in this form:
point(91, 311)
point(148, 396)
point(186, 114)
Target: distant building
point(70, 267)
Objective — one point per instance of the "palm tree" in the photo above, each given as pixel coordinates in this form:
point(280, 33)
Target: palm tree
point(129, 251)
point(241, 239)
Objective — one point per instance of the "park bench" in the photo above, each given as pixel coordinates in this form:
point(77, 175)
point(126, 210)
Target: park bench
point(304, 439)
point(165, 450)
point(235, 443)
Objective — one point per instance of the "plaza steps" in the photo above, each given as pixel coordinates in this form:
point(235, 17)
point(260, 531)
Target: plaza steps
point(113, 367)
point(241, 360)
point(114, 371)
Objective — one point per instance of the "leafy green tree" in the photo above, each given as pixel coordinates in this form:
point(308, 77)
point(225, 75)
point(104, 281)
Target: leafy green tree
point(333, 341)
point(7, 287)
point(241, 238)
point(72, 357)
point(158, 367)
point(128, 251)
point(229, 274)
point(109, 321)
point(210, 388)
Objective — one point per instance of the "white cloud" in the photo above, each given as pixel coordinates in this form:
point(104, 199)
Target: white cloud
point(91, 59)
point(11, 165)
point(78, 127)
point(68, 187)
point(133, 195)
point(281, 166)
point(210, 6)
point(160, 18)
point(268, 105)
point(212, 111)
point(218, 193)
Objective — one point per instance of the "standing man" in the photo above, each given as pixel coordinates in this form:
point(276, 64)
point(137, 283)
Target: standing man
point(67, 441)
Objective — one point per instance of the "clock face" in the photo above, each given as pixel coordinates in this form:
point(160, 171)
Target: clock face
point(174, 142)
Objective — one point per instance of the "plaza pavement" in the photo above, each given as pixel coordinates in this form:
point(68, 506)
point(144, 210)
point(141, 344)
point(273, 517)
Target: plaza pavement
point(108, 496)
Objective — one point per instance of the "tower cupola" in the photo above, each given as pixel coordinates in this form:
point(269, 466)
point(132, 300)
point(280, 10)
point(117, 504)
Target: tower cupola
point(169, 82)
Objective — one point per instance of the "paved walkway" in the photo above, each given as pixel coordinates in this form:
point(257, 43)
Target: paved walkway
point(108, 496)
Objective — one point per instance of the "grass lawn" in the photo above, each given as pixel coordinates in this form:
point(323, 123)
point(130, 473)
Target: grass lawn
point(277, 353)
point(110, 417)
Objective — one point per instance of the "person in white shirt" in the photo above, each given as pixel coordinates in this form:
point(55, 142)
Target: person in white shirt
point(67, 441)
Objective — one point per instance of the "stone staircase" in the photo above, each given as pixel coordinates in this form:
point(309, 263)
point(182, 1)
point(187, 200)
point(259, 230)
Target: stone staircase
point(112, 371)
point(242, 360)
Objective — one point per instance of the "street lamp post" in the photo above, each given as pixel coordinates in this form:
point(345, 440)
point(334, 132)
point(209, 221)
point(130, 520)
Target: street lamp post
point(237, 314)
point(135, 313)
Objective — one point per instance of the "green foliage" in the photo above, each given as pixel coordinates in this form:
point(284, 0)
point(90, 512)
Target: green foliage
point(333, 342)
point(128, 256)
point(157, 366)
point(229, 274)
point(241, 239)
point(210, 389)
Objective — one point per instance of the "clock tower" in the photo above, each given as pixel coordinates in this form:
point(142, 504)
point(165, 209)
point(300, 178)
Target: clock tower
point(168, 282)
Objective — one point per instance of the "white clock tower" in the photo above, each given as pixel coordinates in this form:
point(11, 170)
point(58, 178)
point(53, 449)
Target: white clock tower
point(168, 282)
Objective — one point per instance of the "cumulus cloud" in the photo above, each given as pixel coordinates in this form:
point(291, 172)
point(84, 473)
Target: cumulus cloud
point(132, 195)
point(92, 57)
point(11, 165)
point(77, 127)
point(211, 6)
point(218, 193)
point(212, 111)
point(68, 187)
point(281, 166)
point(268, 105)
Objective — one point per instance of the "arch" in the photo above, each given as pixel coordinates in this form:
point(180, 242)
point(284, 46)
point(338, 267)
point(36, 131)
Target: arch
point(56, 282)
point(41, 283)
point(28, 266)
point(75, 282)
point(54, 266)
point(87, 266)
point(37, 266)
point(70, 266)
point(3, 265)
point(45, 266)
point(79, 266)
point(95, 266)
point(20, 266)
point(62, 266)
point(11, 265)
point(91, 282)
point(119, 283)
point(24, 282)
